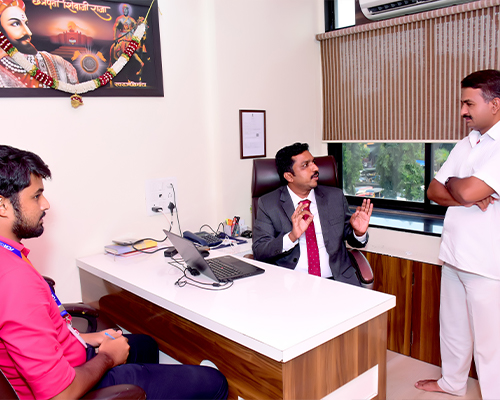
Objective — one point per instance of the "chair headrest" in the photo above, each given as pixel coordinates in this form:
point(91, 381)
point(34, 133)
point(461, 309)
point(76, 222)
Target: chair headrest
point(265, 176)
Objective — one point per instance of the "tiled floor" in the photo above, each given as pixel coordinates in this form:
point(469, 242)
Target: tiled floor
point(403, 372)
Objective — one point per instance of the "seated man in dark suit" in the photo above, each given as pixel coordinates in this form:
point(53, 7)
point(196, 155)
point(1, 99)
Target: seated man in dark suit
point(304, 226)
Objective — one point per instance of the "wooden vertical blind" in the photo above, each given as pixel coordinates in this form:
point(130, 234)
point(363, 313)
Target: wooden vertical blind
point(399, 79)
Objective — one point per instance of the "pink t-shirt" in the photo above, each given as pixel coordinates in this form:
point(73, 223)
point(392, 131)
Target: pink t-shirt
point(37, 351)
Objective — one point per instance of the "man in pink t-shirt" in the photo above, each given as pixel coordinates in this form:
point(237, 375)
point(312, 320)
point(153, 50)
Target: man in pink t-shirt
point(36, 366)
point(41, 355)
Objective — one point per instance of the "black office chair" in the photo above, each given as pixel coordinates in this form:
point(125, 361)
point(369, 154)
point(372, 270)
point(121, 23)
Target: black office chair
point(265, 179)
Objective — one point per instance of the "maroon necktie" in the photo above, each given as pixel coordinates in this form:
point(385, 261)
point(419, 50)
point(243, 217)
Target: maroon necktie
point(312, 245)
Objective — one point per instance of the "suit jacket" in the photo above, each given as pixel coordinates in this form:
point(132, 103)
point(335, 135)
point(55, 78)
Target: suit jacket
point(273, 221)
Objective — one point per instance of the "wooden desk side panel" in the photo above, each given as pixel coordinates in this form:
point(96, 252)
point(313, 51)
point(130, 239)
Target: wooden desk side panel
point(249, 374)
point(324, 369)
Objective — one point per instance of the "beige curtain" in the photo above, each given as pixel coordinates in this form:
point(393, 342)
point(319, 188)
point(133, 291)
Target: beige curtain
point(399, 79)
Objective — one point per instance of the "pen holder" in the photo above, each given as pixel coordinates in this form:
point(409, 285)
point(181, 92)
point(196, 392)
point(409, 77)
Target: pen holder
point(236, 229)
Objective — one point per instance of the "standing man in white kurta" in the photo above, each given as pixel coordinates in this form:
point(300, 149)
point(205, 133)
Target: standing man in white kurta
point(469, 184)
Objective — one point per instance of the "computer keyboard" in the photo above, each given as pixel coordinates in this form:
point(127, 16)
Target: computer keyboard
point(222, 270)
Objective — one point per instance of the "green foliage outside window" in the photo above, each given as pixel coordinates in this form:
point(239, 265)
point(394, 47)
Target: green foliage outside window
point(400, 173)
point(440, 156)
point(352, 156)
point(391, 171)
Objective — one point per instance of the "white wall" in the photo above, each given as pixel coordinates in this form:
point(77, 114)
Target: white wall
point(411, 246)
point(219, 56)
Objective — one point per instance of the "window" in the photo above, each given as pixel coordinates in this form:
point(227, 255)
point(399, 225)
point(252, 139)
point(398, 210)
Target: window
point(339, 14)
point(394, 175)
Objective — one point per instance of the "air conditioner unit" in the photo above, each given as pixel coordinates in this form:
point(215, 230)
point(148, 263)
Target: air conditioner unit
point(382, 9)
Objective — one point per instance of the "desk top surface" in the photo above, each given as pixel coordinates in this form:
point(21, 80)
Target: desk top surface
point(281, 313)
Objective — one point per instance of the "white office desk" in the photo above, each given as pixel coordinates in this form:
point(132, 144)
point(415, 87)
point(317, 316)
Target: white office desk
point(281, 316)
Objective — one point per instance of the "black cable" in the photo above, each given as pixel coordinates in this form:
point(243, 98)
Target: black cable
point(152, 251)
point(208, 226)
point(142, 240)
point(181, 283)
point(216, 233)
point(175, 202)
point(171, 221)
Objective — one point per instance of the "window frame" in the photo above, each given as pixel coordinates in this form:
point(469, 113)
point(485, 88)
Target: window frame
point(425, 207)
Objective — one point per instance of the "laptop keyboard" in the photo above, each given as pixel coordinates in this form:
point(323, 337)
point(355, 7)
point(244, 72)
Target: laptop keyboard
point(222, 270)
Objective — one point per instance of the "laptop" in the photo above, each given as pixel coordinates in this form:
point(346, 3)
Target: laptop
point(220, 269)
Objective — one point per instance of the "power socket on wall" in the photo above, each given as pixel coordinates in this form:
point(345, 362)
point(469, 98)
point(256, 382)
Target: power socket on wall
point(160, 193)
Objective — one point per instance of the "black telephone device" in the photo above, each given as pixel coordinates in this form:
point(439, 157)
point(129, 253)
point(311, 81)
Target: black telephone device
point(203, 238)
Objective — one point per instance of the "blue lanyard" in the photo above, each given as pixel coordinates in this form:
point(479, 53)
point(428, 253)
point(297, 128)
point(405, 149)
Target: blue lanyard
point(62, 311)
point(61, 308)
point(11, 249)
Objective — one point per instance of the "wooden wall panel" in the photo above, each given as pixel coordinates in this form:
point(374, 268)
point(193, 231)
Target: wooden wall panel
point(394, 276)
point(425, 312)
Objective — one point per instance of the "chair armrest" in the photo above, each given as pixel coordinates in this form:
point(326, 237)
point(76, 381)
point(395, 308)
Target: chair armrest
point(131, 392)
point(80, 310)
point(51, 282)
point(96, 319)
point(362, 266)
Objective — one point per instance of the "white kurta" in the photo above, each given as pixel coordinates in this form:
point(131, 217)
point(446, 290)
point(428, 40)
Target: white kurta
point(470, 285)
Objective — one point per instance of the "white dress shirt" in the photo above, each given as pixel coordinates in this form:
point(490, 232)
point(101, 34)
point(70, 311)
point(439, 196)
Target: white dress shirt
point(302, 264)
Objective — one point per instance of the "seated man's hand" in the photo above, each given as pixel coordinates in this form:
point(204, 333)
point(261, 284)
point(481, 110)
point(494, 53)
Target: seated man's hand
point(361, 218)
point(117, 349)
point(299, 223)
point(96, 338)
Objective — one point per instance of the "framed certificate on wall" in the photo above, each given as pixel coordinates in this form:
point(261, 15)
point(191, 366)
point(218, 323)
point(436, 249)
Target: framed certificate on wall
point(252, 133)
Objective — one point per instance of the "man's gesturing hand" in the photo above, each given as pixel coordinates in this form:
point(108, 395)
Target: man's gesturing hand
point(361, 218)
point(299, 224)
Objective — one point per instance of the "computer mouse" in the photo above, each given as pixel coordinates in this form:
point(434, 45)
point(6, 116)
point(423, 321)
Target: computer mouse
point(203, 250)
point(247, 234)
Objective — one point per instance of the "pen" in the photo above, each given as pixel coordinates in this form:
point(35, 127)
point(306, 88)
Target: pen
point(107, 334)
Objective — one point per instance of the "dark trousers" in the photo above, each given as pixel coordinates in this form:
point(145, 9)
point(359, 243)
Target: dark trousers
point(163, 381)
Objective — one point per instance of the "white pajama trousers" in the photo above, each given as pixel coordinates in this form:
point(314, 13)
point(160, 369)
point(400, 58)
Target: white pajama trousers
point(470, 324)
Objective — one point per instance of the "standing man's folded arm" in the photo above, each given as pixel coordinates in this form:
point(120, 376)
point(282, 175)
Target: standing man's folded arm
point(438, 193)
point(468, 191)
point(461, 192)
